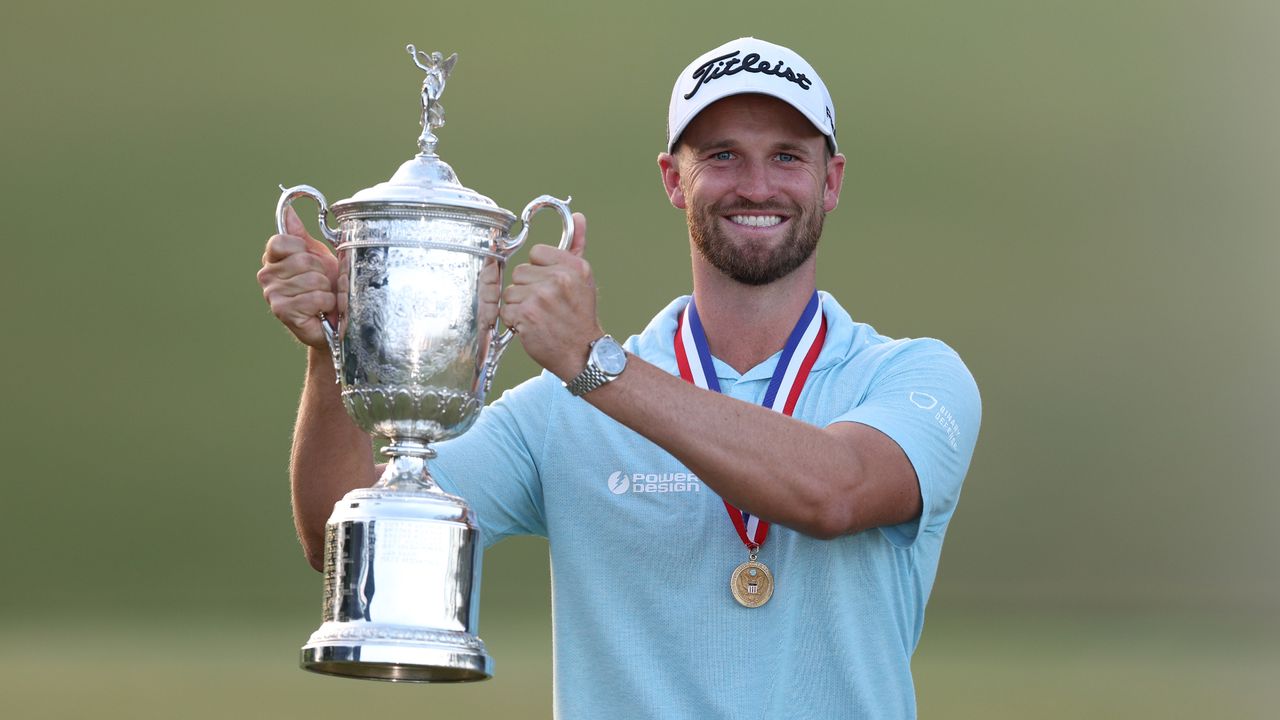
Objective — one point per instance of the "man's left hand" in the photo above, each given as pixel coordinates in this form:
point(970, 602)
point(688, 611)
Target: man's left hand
point(551, 304)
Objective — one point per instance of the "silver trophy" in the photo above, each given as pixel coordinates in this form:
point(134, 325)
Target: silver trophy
point(415, 345)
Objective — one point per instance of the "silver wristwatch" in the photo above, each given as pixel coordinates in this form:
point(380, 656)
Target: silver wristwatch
point(606, 362)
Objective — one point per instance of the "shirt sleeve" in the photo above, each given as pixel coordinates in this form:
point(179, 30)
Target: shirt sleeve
point(494, 465)
point(925, 399)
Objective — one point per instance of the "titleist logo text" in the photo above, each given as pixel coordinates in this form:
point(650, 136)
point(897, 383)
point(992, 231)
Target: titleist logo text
point(730, 64)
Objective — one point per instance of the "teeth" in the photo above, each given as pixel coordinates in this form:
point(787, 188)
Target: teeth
point(756, 220)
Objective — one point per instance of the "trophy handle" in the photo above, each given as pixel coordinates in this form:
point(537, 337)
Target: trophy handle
point(498, 341)
point(542, 201)
point(287, 196)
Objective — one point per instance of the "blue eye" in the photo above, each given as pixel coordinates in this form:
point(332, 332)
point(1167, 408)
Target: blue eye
point(723, 155)
point(786, 157)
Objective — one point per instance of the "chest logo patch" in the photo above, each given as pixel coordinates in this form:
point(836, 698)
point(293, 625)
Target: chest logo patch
point(622, 483)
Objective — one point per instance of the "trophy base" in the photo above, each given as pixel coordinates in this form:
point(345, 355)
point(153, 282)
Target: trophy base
point(396, 662)
point(402, 583)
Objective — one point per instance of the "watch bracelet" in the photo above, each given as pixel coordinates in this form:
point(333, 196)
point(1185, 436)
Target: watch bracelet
point(589, 379)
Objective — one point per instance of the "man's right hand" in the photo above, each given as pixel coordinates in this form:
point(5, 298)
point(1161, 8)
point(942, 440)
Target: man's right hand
point(299, 279)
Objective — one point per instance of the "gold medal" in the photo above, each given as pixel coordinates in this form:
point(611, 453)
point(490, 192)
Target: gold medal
point(751, 583)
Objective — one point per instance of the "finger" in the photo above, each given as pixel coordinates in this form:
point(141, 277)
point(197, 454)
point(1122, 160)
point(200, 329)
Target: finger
point(526, 274)
point(506, 315)
point(514, 295)
point(304, 263)
point(546, 255)
point(300, 284)
point(510, 318)
point(300, 313)
point(291, 263)
point(287, 256)
point(301, 310)
point(280, 247)
point(578, 246)
point(546, 271)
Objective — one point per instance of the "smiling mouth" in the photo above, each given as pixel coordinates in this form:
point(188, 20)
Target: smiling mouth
point(759, 221)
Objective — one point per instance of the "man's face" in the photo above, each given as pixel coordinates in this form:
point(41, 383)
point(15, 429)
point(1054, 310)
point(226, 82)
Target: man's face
point(754, 180)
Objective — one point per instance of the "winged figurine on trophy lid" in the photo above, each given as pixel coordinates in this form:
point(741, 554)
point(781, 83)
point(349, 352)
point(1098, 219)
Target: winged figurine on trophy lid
point(437, 69)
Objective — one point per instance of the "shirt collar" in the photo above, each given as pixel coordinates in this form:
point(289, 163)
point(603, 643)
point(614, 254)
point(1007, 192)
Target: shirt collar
point(655, 343)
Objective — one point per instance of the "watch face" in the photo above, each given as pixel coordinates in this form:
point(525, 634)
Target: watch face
point(609, 356)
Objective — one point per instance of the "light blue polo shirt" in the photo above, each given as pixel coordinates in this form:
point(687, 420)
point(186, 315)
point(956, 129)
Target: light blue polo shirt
point(642, 550)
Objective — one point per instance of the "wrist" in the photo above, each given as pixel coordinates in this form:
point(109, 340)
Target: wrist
point(320, 364)
point(606, 360)
point(576, 356)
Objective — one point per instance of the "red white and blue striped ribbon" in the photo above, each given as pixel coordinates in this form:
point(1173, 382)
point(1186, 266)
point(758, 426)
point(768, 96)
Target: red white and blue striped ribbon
point(803, 345)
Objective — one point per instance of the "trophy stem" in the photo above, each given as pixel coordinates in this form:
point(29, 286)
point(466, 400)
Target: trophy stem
point(407, 468)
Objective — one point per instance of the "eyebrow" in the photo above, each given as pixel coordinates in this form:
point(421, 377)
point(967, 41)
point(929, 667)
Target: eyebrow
point(791, 147)
point(704, 147)
point(782, 146)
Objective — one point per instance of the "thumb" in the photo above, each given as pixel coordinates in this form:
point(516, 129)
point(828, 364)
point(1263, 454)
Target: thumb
point(293, 224)
point(578, 245)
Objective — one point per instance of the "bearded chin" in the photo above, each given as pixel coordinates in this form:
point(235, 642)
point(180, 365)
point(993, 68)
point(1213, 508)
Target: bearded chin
point(755, 266)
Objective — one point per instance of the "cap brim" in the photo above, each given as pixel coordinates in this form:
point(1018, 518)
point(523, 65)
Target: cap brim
point(679, 128)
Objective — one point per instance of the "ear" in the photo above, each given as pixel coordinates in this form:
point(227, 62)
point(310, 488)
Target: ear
point(834, 181)
point(671, 179)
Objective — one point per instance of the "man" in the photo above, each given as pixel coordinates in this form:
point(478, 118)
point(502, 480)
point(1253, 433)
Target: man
point(656, 484)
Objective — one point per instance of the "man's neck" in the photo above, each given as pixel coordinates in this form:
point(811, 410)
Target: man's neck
point(745, 324)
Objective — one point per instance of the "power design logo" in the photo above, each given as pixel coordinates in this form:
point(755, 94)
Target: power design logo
point(621, 483)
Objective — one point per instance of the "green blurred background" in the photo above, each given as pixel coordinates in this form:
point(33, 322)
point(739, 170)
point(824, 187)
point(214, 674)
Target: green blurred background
point(1081, 197)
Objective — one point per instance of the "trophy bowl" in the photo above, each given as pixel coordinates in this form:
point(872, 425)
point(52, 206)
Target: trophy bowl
point(415, 346)
point(418, 321)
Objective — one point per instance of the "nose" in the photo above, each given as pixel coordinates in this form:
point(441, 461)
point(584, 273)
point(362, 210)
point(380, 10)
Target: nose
point(753, 182)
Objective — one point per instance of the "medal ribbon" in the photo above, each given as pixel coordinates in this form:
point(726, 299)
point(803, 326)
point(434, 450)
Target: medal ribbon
point(803, 345)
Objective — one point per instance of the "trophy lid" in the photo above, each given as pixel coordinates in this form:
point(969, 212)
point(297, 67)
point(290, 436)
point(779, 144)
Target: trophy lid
point(426, 179)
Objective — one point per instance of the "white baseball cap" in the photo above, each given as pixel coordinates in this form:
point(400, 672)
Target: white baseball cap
point(748, 65)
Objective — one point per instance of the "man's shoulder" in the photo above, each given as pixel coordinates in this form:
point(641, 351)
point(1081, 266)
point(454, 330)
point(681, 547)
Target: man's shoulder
point(912, 348)
point(861, 342)
point(923, 356)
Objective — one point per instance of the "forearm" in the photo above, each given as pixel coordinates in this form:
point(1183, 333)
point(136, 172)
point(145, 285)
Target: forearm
point(331, 456)
point(814, 480)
